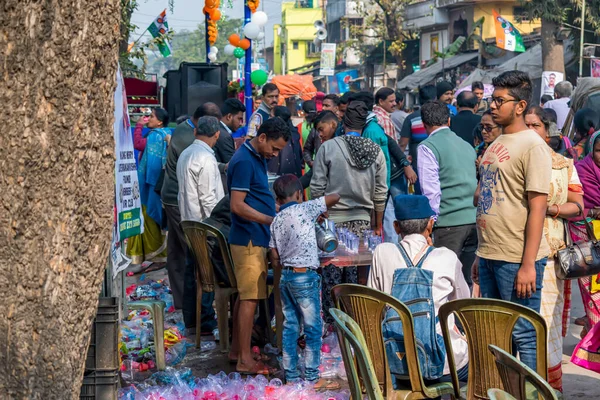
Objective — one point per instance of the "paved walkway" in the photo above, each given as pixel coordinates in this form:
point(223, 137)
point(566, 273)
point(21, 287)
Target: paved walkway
point(578, 383)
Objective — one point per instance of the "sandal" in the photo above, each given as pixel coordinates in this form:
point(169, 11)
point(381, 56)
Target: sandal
point(581, 321)
point(257, 369)
point(324, 385)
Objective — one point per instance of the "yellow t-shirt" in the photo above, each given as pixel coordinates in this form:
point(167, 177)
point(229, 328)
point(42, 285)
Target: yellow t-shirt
point(512, 166)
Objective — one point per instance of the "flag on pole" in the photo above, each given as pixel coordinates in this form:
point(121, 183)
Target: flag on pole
point(158, 29)
point(507, 36)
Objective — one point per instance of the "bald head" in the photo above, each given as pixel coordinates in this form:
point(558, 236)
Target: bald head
point(207, 109)
point(467, 100)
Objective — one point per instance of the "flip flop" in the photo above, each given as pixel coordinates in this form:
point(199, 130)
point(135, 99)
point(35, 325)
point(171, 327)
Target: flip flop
point(258, 369)
point(581, 321)
point(324, 385)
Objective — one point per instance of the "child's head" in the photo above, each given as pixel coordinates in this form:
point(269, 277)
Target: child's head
point(288, 188)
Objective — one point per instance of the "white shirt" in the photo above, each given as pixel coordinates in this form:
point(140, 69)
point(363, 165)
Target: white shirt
point(561, 106)
point(200, 186)
point(448, 282)
point(293, 233)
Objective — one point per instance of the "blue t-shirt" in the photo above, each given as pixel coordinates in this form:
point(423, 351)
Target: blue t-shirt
point(240, 132)
point(247, 172)
point(452, 109)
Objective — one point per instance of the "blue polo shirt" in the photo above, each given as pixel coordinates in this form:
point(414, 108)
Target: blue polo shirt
point(247, 172)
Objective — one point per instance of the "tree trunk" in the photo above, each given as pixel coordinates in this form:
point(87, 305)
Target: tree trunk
point(553, 58)
point(58, 65)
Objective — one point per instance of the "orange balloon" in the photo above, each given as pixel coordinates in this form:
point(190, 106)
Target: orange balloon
point(244, 44)
point(210, 3)
point(234, 40)
point(215, 14)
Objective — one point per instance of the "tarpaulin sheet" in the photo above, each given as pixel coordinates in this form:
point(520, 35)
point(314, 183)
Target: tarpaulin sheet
point(295, 85)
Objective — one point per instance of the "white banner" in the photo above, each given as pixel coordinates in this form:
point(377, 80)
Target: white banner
point(327, 59)
point(129, 218)
point(549, 81)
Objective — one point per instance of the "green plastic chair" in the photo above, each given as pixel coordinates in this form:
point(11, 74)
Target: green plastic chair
point(367, 307)
point(489, 321)
point(354, 351)
point(519, 380)
point(156, 309)
point(499, 394)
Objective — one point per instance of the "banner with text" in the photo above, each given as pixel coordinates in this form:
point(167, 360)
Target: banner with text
point(327, 59)
point(129, 219)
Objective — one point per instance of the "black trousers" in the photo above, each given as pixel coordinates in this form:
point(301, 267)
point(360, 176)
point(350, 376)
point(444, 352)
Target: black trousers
point(181, 270)
point(462, 240)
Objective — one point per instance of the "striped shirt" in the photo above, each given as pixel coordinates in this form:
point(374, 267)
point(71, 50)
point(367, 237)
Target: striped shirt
point(414, 130)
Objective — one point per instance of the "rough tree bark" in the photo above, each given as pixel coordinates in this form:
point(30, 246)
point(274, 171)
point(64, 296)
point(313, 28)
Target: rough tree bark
point(553, 57)
point(58, 63)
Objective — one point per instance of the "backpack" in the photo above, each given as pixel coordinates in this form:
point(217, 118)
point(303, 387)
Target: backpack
point(412, 286)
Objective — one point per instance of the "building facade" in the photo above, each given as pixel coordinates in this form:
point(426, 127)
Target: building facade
point(441, 22)
point(293, 43)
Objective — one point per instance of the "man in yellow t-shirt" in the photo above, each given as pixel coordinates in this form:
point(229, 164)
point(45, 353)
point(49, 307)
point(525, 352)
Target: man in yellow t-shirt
point(513, 189)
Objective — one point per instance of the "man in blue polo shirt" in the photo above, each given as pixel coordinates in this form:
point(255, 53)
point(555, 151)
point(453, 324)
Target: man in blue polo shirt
point(252, 211)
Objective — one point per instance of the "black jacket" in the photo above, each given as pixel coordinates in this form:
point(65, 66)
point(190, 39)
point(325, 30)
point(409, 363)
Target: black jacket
point(224, 150)
point(463, 124)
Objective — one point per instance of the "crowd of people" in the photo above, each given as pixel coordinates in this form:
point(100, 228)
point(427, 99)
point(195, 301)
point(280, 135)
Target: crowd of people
point(477, 191)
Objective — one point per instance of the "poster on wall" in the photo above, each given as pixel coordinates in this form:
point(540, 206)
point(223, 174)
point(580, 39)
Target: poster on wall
point(129, 220)
point(327, 59)
point(549, 81)
point(595, 67)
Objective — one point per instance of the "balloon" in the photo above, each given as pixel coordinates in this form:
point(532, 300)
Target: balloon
point(259, 77)
point(215, 14)
point(229, 49)
point(251, 30)
point(239, 52)
point(213, 49)
point(212, 57)
point(260, 18)
point(234, 39)
point(261, 36)
point(244, 44)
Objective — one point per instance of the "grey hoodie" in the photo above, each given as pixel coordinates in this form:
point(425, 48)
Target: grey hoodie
point(354, 168)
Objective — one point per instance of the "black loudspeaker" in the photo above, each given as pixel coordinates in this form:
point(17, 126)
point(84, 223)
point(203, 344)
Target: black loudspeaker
point(172, 94)
point(202, 82)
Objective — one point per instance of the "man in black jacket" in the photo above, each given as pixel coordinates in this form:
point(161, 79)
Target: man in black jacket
point(232, 118)
point(465, 122)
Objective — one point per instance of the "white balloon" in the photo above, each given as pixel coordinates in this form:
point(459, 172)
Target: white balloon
point(214, 50)
point(260, 18)
point(229, 49)
point(212, 56)
point(251, 30)
point(261, 36)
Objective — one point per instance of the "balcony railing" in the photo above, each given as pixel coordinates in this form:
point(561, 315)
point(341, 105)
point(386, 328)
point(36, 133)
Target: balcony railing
point(424, 14)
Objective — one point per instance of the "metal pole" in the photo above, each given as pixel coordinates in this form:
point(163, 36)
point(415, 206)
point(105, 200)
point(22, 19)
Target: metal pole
point(581, 38)
point(384, 62)
point(248, 70)
point(206, 19)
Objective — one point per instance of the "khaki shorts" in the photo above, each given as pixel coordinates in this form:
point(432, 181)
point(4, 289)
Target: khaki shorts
point(250, 268)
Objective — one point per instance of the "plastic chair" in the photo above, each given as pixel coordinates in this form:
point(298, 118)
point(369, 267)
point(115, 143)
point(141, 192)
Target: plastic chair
point(156, 308)
point(354, 351)
point(196, 234)
point(489, 321)
point(515, 376)
point(498, 394)
point(367, 307)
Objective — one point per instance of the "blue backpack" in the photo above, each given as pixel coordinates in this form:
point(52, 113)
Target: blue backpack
point(412, 286)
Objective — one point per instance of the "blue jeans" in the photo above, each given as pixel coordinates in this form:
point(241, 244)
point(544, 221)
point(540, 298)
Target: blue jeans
point(497, 281)
point(301, 303)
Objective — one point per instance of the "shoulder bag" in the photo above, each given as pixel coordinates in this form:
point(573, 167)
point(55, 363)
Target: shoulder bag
point(579, 259)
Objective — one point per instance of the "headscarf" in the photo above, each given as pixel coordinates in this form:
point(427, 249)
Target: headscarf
point(589, 175)
point(590, 146)
point(355, 116)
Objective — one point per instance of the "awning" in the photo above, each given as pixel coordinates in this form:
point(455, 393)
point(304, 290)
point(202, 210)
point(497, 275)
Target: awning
point(529, 61)
point(428, 74)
